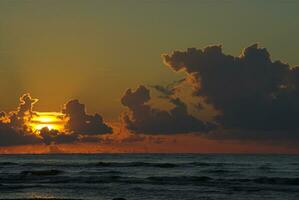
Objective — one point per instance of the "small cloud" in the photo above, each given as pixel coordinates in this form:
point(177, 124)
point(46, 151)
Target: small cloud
point(80, 122)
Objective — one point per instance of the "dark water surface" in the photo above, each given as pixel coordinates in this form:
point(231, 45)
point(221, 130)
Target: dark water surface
point(150, 176)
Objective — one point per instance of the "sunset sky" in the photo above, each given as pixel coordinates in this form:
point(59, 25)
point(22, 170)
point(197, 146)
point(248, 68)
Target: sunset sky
point(163, 76)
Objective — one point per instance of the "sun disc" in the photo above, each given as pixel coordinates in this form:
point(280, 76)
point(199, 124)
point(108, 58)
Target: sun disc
point(51, 120)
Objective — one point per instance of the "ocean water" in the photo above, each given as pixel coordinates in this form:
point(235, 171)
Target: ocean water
point(150, 176)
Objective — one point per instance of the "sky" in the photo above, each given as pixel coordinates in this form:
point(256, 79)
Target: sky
point(116, 58)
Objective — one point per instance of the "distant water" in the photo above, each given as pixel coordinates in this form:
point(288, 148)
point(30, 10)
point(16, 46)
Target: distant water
point(150, 177)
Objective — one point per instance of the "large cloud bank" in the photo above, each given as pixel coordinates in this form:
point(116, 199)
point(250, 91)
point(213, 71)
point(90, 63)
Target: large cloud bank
point(256, 96)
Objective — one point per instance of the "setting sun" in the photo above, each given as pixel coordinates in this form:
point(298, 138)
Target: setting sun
point(51, 120)
point(46, 119)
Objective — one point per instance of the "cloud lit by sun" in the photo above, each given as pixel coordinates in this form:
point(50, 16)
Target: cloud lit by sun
point(51, 120)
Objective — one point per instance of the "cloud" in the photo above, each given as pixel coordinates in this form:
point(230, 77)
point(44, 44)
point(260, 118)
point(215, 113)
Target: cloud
point(12, 137)
point(56, 137)
point(15, 126)
point(80, 122)
point(90, 138)
point(2, 114)
point(168, 90)
point(26, 105)
point(24, 112)
point(142, 118)
point(251, 92)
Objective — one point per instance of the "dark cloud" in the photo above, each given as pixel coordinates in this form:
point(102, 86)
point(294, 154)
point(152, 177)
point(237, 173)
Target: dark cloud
point(142, 118)
point(56, 137)
point(26, 105)
point(80, 127)
point(253, 93)
point(2, 114)
point(80, 122)
point(13, 129)
point(90, 138)
point(12, 137)
point(24, 112)
point(168, 90)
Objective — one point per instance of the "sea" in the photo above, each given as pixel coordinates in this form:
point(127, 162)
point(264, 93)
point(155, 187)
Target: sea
point(149, 176)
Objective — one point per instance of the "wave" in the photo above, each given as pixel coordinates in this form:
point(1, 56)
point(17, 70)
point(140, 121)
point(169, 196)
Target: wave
point(165, 165)
point(103, 164)
point(46, 198)
point(219, 171)
point(136, 164)
point(51, 172)
point(51, 176)
point(277, 180)
point(99, 172)
point(265, 167)
point(154, 180)
point(205, 179)
point(7, 163)
point(178, 180)
point(192, 180)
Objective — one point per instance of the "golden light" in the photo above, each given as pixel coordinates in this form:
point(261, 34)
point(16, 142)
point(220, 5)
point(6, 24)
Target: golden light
point(49, 126)
point(46, 119)
point(52, 120)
